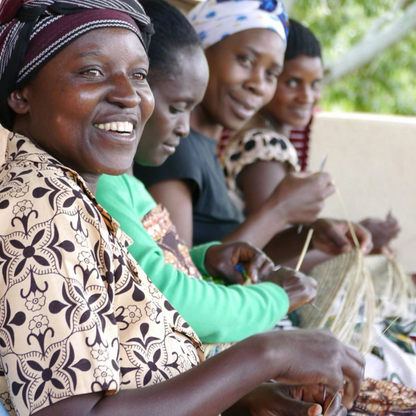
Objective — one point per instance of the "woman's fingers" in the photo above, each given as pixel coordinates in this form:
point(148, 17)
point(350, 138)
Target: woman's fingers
point(333, 406)
point(354, 374)
point(259, 266)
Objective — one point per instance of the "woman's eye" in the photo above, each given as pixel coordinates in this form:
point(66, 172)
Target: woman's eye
point(175, 110)
point(292, 83)
point(246, 60)
point(273, 75)
point(316, 85)
point(92, 72)
point(140, 76)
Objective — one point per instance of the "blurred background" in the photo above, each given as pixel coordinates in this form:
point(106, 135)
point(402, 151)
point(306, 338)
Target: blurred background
point(369, 52)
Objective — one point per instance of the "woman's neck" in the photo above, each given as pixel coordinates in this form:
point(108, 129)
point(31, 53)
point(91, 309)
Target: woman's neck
point(91, 181)
point(276, 125)
point(204, 124)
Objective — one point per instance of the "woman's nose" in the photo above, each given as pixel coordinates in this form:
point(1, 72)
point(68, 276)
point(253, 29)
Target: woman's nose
point(122, 92)
point(307, 95)
point(257, 82)
point(183, 127)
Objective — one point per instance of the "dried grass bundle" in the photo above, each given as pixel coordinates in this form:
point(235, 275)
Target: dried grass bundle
point(354, 291)
point(346, 299)
point(395, 290)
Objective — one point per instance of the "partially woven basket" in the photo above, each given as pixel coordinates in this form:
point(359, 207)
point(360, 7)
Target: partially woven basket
point(395, 290)
point(346, 299)
point(354, 291)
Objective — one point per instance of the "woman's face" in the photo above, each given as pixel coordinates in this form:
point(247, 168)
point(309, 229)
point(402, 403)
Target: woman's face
point(244, 68)
point(175, 98)
point(87, 107)
point(298, 91)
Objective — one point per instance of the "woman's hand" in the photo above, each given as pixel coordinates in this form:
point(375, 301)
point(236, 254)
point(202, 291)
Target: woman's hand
point(382, 232)
point(276, 399)
point(300, 197)
point(333, 237)
point(301, 289)
point(221, 260)
point(316, 357)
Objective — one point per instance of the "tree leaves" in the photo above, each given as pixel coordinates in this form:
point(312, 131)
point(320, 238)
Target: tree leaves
point(386, 84)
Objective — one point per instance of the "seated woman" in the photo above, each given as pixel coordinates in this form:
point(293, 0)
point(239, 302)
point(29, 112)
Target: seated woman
point(178, 77)
point(82, 327)
point(254, 175)
point(244, 44)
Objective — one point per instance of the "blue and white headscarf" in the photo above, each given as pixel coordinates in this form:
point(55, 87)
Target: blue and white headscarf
point(216, 19)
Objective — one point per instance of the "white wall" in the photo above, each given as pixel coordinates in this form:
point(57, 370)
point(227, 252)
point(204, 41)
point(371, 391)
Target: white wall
point(373, 161)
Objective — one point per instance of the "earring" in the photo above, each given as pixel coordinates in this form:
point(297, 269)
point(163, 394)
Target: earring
point(18, 96)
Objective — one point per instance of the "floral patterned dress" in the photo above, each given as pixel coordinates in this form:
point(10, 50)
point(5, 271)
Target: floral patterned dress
point(78, 314)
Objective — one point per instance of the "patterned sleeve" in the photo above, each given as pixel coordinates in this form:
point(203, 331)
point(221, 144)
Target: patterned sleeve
point(254, 145)
point(58, 332)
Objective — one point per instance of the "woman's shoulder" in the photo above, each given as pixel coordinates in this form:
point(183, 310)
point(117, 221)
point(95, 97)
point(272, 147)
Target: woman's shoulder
point(253, 145)
point(31, 194)
point(259, 144)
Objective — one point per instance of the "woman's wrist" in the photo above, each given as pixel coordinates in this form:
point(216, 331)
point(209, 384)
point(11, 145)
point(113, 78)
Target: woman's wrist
point(268, 350)
point(277, 214)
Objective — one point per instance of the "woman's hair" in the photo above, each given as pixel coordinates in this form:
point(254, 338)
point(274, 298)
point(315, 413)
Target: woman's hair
point(301, 41)
point(173, 34)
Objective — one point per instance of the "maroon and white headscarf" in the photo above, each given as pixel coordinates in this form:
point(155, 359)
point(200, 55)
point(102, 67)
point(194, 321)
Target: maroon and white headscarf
point(32, 32)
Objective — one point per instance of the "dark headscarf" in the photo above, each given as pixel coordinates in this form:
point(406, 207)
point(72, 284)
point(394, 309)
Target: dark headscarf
point(32, 32)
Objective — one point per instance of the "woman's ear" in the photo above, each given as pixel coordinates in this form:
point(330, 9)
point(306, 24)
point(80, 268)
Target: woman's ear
point(18, 103)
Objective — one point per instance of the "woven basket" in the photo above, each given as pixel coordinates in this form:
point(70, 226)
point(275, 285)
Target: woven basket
point(346, 299)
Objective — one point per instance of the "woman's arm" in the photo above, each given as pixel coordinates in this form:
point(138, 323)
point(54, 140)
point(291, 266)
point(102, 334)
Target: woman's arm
point(258, 181)
point(295, 357)
point(224, 314)
point(298, 198)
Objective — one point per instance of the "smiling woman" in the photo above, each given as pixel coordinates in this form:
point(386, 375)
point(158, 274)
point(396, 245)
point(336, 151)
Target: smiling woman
point(103, 75)
point(244, 45)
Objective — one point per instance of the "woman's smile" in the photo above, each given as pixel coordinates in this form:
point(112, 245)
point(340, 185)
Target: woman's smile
point(117, 131)
point(241, 108)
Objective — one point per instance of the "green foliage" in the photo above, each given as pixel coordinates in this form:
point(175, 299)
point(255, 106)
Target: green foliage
point(386, 85)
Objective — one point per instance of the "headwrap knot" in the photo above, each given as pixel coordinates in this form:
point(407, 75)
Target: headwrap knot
point(31, 14)
point(216, 19)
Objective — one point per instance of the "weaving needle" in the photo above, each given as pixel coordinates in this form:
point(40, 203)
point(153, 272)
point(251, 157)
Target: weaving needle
point(321, 169)
point(374, 344)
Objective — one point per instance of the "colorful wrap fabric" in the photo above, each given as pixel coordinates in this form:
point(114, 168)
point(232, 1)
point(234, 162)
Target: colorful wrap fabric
point(383, 398)
point(32, 32)
point(159, 226)
point(216, 19)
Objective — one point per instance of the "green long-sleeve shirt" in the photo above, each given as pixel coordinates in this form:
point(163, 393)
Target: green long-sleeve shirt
point(216, 313)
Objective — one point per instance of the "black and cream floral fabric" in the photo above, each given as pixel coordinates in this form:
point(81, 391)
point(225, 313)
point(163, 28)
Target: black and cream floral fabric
point(78, 314)
point(249, 147)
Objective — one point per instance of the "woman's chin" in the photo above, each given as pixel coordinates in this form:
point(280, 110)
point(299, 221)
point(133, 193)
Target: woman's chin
point(151, 160)
point(235, 124)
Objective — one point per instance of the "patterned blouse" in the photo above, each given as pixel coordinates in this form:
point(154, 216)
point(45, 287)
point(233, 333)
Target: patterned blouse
point(78, 314)
point(249, 147)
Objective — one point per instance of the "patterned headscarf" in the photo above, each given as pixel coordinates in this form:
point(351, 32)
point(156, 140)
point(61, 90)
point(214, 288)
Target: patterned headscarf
point(216, 19)
point(32, 32)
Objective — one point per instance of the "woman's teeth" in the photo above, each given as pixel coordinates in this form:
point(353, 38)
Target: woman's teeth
point(119, 126)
